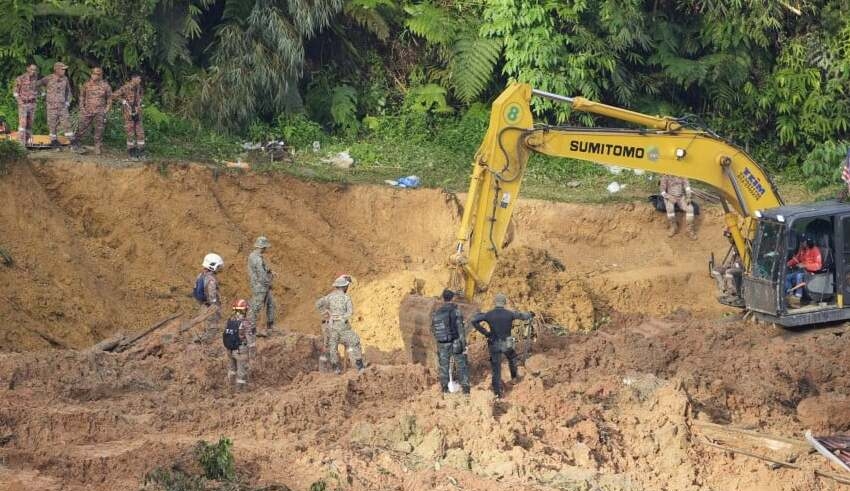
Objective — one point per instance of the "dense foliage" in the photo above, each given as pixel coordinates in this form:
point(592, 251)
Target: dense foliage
point(770, 74)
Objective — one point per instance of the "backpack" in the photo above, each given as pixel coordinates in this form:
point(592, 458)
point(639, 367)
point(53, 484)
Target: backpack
point(230, 338)
point(200, 290)
point(442, 325)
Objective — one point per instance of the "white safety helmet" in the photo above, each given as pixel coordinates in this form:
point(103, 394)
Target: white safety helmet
point(213, 262)
point(342, 281)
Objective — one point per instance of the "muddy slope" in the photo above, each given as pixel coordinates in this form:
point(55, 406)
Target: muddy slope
point(100, 250)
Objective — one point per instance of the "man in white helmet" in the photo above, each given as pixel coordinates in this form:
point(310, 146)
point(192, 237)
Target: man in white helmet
point(260, 277)
point(206, 293)
point(338, 309)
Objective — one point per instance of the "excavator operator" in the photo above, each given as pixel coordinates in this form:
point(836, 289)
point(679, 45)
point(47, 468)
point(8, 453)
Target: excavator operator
point(807, 259)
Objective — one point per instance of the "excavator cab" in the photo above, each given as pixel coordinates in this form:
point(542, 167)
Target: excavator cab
point(769, 282)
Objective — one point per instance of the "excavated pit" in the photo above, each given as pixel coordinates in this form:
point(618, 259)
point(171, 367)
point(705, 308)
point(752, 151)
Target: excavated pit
point(646, 359)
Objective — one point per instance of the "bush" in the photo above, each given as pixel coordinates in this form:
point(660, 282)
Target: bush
point(174, 480)
point(217, 459)
point(822, 166)
point(10, 151)
point(298, 130)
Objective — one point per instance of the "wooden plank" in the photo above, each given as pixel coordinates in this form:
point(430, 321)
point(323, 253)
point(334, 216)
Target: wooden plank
point(771, 442)
point(828, 475)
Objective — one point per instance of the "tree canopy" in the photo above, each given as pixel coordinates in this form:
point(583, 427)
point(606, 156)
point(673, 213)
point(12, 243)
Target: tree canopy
point(770, 74)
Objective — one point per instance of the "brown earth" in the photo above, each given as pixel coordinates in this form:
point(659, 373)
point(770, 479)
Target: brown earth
point(99, 250)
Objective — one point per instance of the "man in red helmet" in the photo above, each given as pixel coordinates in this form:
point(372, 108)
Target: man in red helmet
point(237, 334)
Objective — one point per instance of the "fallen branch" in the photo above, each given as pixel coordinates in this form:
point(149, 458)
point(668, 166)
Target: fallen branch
point(108, 344)
point(130, 341)
point(50, 339)
point(828, 475)
point(211, 310)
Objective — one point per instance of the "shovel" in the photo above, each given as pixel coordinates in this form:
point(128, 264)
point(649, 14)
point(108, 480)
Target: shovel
point(453, 385)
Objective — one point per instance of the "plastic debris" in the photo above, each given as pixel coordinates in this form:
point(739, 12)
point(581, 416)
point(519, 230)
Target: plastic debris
point(411, 182)
point(343, 160)
point(613, 169)
point(615, 187)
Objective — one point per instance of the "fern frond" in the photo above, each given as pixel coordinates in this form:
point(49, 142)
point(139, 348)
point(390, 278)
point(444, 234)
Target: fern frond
point(471, 65)
point(432, 23)
point(344, 107)
point(367, 17)
point(426, 98)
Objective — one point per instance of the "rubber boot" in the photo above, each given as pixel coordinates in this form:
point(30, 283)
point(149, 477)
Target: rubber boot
point(131, 153)
point(674, 227)
point(54, 144)
point(692, 231)
point(97, 149)
point(466, 390)
point(336, 368)
point(360, 366)
point(140, 154)
point(75, 145)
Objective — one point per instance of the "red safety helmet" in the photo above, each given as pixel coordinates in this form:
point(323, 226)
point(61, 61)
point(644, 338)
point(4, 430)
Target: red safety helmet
point(240, 304)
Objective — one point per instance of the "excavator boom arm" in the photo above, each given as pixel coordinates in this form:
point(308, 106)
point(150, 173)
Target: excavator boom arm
point(661, 145)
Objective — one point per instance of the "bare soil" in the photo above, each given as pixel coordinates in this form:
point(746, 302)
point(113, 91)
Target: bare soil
point(617, 402)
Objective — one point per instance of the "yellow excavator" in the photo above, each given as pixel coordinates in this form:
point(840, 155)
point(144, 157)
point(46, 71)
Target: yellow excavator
point(763, 232)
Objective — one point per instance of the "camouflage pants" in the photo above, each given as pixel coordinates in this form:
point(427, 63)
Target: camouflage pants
point(251, 343)
point(26, 116)
point(133, 128)
point(445, 352)
point(238, 366)
point(211, 325)
point(671, 202)
point(348, 338)
point(86, 122)
point(262, 299)
point(58, 119)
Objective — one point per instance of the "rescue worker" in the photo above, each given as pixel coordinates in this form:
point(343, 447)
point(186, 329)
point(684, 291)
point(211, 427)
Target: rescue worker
point(337, 307)
point(25, 92)
point(807, 260)
point(677, 191)
point(95, 103)
point(499, 339)
point(58, 89)
point(260, 276)
point(239, 358)
point(130, 95)
point(211, 303)
point(450, 335)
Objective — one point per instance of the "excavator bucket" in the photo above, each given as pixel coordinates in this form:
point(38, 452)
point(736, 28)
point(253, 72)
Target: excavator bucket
point(415, 324)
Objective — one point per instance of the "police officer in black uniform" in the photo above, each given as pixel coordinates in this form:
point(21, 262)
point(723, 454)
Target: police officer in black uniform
point(448, 330)
point(499, 339)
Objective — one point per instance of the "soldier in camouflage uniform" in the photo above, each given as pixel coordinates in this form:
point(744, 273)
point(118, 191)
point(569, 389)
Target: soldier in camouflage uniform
point(260, 277)
point(337, 307)
point(130, 95)
point(58, 101)
point(677, 191)
point(25, 92)
point(95, 103)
